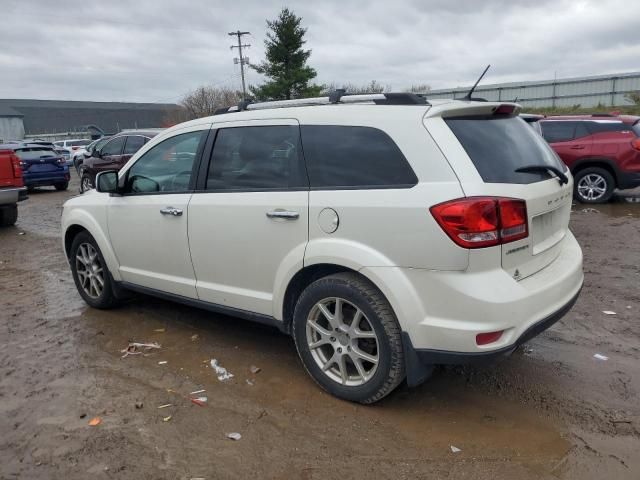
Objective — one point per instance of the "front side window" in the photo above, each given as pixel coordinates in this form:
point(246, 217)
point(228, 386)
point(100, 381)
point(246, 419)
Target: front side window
point(354, 157)
point(256, 158)
point(167, 167)
point(114, 147)
point(134, 143)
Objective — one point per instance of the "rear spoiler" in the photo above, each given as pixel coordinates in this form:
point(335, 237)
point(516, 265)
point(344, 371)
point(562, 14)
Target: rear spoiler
point(467, 109)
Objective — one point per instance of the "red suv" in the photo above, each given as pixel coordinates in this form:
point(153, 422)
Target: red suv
point(602, 151)
point(12, 189)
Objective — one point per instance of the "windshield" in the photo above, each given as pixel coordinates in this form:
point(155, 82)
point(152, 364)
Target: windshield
point(35, 153)
point(79, 143)
point(499, 145)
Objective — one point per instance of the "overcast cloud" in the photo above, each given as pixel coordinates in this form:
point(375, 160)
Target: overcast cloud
point(157, 50)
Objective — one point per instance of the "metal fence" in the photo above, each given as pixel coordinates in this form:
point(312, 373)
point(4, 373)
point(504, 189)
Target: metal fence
point(606, 90)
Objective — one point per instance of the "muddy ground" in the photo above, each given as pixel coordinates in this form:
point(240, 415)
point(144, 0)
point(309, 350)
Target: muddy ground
point(549, 411)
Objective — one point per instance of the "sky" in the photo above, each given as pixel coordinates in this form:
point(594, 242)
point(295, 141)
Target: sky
point(159, 50)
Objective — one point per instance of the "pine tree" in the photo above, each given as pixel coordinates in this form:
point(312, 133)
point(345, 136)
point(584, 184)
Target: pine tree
point(286, 63)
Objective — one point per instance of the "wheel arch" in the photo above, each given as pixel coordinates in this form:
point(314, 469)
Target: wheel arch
point(82, 222)
point(605, 163)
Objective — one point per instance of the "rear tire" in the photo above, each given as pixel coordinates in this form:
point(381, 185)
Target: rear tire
point(8, 215)
point(61, 186)
point(593, 185)
point(360, 362)
point(90, 272)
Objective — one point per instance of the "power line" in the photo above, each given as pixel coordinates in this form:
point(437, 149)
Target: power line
point(242, 61)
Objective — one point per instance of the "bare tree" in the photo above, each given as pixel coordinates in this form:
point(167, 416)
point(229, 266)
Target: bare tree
point(371, 87)
point(204, 101)
point(419, 88)
point(633, 97)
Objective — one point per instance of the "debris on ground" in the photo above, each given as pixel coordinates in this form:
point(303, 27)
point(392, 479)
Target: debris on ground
point(253, 369)
point(166, 419)
point(138, 404)
point(159, 330)
point(136, 348)
point(83, 415)
point(200, 401)
point(234, 436)
point(608, 312)
point(194, 337)
point(221, 372)
point(250, 382)
point(599, 356)
point(166, 405)
point(162, 362)
point(590, 210)
point(197, 391)
point(21, 233)
point(95, 421)
point(455, 449)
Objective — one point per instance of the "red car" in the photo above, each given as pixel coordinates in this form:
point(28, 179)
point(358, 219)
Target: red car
point(602, 152)
point(12, 189)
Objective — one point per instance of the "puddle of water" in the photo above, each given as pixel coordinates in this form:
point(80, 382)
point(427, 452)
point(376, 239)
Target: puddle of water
point(429, 419)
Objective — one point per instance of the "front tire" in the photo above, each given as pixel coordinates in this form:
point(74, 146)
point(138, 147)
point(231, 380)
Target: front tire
point(61, 186)
point(348, 338)
point(85, 183)
point(90, 272)
point(593, 185)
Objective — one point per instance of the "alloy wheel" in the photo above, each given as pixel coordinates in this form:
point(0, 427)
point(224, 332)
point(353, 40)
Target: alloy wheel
point(592, 187)
point(89, 270)
point(342, 341)
point(86, 184)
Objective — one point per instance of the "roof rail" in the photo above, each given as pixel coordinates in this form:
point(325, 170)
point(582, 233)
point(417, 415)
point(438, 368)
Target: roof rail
point(603, 115)
point(337, 96)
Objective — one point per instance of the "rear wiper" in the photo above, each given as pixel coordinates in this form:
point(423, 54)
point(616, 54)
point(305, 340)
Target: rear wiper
point(562, 178)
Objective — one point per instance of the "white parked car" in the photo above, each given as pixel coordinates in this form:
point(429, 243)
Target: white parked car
point(386, 234)
point(75, 147)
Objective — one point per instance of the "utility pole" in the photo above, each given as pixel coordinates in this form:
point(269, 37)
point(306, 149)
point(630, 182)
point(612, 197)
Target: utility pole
point(242, 60)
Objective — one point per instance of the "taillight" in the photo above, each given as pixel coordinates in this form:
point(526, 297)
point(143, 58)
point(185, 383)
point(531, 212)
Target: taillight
point(478, 222)
point(504, 110)
point(17, 165)
point(636, 143)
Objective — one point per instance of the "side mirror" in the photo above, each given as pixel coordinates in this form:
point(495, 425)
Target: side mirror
point(107, 182)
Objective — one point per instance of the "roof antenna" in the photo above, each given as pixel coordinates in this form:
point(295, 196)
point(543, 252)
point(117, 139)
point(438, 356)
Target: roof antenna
point(468, 95)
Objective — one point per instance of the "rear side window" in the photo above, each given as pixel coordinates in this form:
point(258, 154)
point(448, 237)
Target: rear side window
point(563, 131)
point(256, 158)
point(498, 146)
point(354, 157)
point(608, 126)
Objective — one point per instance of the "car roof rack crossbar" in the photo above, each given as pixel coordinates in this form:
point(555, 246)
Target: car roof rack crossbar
point(335, 97)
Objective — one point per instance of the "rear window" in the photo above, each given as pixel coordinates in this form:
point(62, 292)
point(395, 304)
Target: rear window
point(79, 143)
point(35, 153)
point(354, 157)
point(498, 146)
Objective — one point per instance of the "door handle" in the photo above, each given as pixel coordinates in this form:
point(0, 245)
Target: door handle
point(286, 214)
point(176, 212)
point(577, 147)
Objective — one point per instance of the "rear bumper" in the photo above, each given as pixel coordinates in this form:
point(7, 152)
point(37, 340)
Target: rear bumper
point(12, 195)
point(46, 178)
point(441, 313)
point(430, 357)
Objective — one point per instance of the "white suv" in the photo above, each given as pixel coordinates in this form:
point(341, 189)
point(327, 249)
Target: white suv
point(385, 233)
